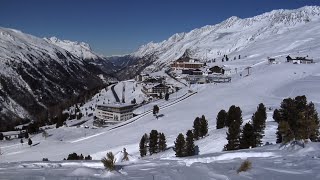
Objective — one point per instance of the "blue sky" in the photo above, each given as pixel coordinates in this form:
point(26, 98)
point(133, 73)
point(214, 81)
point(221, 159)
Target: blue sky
point(121, 26)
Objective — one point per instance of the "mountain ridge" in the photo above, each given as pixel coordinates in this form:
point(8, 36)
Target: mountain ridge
point(244, 32)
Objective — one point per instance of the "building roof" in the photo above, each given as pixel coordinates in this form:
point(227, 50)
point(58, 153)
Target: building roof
point(161, 85)
point(10, 133)
point(116, 105)
point(150, 85)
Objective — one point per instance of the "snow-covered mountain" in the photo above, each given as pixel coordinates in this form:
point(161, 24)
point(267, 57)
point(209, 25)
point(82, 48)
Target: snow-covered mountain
point(36, 73)
point(236, 36)
point(80, 49)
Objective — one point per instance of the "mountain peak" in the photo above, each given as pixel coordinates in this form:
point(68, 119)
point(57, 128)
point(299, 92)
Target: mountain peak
point(80, 49)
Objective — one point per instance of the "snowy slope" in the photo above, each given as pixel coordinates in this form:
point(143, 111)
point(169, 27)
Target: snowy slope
point(235, 36)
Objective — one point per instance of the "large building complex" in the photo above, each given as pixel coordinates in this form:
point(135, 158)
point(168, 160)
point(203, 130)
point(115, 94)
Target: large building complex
point(114, 113)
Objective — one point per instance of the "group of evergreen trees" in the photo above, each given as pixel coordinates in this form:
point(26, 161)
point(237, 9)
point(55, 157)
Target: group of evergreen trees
point(297, 120)
point(250, 135)
point(154, 143)
point(75, 156)
point(200, 127)
point(185, 146)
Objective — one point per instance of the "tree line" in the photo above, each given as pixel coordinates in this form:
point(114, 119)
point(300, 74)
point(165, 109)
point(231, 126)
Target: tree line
point(252, 132)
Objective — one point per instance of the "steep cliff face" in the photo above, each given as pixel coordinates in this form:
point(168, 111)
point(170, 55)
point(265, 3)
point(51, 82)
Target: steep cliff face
point(35, 74)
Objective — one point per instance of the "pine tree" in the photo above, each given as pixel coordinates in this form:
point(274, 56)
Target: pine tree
point(203, 126)
point(276, 115)
point(285, 131)
point(233, 134)
point(313, 121)
point(221, 119)
point(233, 137)
point(247, 139)
point(196, 128)
point(259, 123)
point(190, 147)
point(153, 142)
point(109, 162)
point(155, 110)
point(29, 142)
point(143, 145)
point(162, 142)
point(234, 114)
point(179, 146)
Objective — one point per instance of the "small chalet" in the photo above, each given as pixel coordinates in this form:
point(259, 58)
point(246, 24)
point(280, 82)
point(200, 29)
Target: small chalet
point(155, 89)
point(299, 60)
point(220, 70)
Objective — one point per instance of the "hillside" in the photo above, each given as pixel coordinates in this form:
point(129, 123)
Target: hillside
point(36, 73)
point(284, 30)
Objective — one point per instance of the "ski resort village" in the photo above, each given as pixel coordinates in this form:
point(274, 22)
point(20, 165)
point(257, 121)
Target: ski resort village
point(235, 100)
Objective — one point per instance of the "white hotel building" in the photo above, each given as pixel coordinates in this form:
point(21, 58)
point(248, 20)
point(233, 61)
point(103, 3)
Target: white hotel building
point(114, 113)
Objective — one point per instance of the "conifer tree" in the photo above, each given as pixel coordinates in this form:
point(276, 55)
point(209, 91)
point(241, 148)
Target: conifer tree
point(162, 142)
point(285, 131)
point(233, 134)
point(276, 115)
point(313, 121)
point(29, 142)
point(259, 123)
point(155, 110)
point(190, 147)
point(143, 145)
point(203, 126)
point(153, 142)
point(196, 128)
point(179, 146)
point(247, 139)
point(221, 119)
point(109, 162)
point(234, 114)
